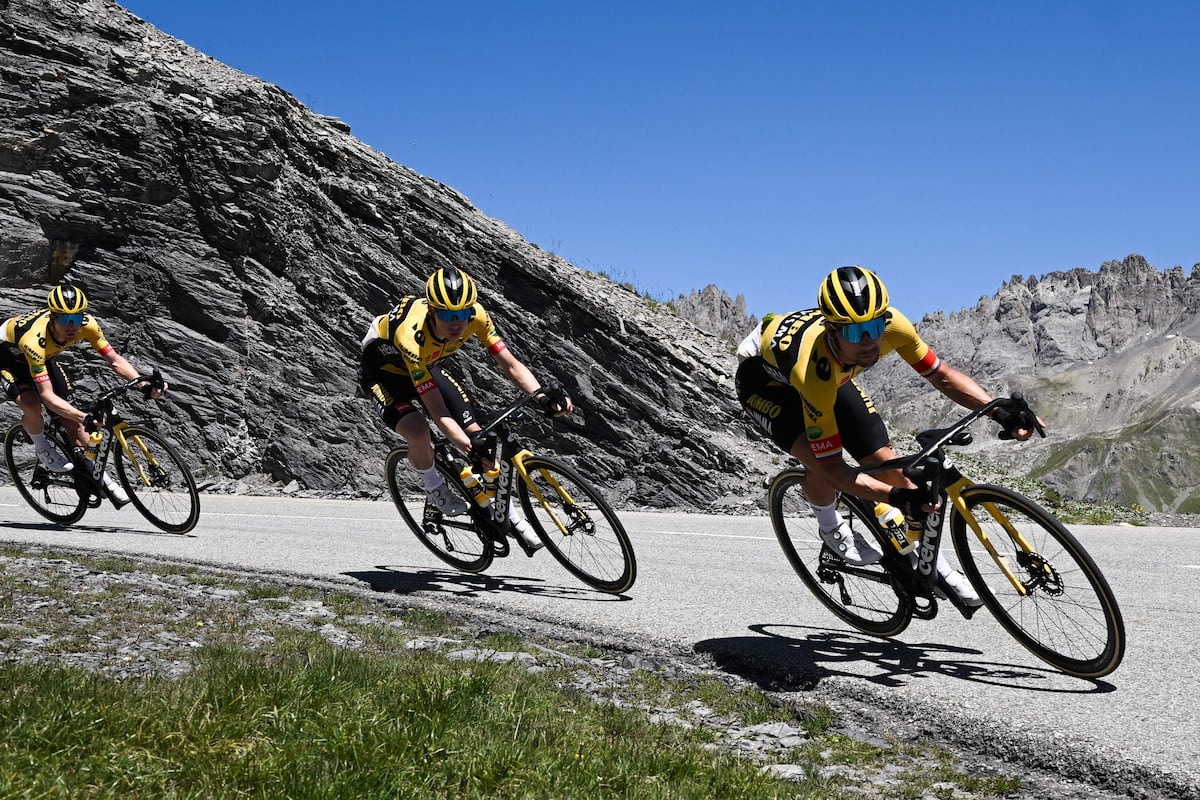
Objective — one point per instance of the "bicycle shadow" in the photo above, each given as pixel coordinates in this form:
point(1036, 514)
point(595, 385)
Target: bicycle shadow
point(780, 660)
point(51, 527)
point(410, 580)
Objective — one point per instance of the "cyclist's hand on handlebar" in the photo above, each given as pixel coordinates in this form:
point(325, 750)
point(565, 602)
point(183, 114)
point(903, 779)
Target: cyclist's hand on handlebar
point(483, 447)
point(92, 422)
point(555, 400)
point(1016, 419)
point(155, 386)
point(913, 503)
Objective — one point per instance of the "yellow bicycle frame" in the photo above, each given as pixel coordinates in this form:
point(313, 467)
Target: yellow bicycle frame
point(955, 492)
point(519, 462)
point(122, 440)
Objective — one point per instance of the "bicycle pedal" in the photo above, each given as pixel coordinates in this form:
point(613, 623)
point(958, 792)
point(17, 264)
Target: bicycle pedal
point(94, 501)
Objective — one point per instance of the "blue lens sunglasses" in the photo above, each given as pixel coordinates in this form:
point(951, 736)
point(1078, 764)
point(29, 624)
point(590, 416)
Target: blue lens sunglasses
point(452, 315)
point(855, 331)
point(69, 319)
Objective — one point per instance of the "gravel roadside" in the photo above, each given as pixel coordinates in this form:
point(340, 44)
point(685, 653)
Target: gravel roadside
point(69, 608)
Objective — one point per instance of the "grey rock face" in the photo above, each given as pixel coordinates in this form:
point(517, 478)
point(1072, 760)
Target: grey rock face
point(715, 311)
point(242, 243)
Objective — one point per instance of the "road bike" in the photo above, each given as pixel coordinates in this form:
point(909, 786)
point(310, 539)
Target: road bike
point(572, 519)
point(1032, 574)
point(149, 469)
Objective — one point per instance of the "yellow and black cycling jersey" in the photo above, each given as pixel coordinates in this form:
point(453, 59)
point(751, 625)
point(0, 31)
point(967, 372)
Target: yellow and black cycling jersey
point(796, 351)
point(30, 333)
point(404, 342)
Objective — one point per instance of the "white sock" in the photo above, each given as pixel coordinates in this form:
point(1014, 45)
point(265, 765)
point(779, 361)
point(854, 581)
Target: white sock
point(827, 516)
point(40, 441)
point(513, 514)
point(431, 477)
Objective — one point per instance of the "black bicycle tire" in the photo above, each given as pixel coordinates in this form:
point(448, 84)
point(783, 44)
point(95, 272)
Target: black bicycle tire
point(397, 460)
point(628, 574)
point(1109, 656)
point(897, 621)
point(21, 482)
point(132, 488)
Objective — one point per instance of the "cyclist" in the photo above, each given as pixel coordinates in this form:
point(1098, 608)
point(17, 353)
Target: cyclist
point(796, 382)
point(29, 352)
point(401, 368)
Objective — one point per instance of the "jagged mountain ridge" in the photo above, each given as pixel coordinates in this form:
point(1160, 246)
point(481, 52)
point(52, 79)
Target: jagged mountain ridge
point(1109, 359)
point(241, 242)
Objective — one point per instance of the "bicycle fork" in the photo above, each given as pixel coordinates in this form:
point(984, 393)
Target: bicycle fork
point(1027, 554)
point(579, 519)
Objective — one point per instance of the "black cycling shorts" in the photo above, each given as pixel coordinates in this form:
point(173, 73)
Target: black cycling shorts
point(395, 396)
point(12, 361)
point(777, 410)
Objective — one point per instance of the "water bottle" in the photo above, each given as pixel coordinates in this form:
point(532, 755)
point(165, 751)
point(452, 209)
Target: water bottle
point(490, 480)
point(891, 519)
point(471, 481)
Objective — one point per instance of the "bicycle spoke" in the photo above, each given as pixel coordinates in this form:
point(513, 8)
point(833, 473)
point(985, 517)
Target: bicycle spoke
point(1065, 612)
point(157, 480)
point(577, 524)
point(863, 596)
point(53, 496)
point(452, 539)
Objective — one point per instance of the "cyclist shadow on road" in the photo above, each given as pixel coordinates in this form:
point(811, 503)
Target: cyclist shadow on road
point(408, 580)
point(50, 527)
point(798, 658)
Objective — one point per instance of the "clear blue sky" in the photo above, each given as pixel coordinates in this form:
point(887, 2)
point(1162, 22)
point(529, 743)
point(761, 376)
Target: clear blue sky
point(758, 144)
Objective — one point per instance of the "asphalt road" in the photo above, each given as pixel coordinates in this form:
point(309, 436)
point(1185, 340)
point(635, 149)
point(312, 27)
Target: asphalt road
point(720, 586)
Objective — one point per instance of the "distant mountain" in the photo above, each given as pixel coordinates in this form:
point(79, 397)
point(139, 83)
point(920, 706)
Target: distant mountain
point(1108, 358)
point(713, 310)
point(242, 243)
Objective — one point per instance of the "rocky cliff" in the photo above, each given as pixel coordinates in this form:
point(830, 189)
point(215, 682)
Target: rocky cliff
point(242, 243)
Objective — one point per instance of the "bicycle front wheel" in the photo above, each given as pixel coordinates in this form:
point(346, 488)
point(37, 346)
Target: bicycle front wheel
point(454, 540)
point(52, 495)
point(159, 483)
point(864, 596)
point(1061, 608)
point(577, 525)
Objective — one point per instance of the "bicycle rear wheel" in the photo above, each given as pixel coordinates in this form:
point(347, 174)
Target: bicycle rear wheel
point(52, 495)
point(865, 597)
point(159, 483)
point(452, 539)
point(1066, 613)
point(577, 524)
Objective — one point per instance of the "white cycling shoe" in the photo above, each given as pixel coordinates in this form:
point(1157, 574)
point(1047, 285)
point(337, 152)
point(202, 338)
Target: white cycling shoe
point(445, 500)
point(524, 531)
point(853, 547)
point(115, 491)
point(55, 461)
point(958, 583)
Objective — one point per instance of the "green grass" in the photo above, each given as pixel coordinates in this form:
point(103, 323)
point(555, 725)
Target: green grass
point(269, 708)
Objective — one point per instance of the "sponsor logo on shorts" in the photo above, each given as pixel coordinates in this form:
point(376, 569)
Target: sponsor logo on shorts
point(764, 406)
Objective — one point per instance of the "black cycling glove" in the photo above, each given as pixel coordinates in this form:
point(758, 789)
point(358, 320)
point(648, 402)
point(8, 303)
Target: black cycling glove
point(92, 423)
point(553, 399)
point(909, 501)
point(1011, 416)
point(483, 446)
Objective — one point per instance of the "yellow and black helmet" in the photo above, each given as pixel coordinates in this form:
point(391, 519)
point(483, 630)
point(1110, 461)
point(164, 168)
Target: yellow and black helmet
point(66, 299)
point(450, 289)
point(852, 294)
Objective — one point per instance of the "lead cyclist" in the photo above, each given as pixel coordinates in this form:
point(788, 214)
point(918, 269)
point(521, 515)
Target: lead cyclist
point(795, 381)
